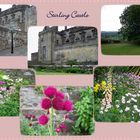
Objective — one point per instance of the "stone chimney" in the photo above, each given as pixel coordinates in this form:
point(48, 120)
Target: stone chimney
point(65, 27)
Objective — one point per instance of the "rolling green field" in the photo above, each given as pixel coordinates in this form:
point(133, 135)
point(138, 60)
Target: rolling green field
point(120, 49)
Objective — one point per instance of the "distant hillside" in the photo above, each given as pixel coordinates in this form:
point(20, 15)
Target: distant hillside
point(111, 35)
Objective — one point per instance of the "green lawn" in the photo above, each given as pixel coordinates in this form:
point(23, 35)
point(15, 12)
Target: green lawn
point(120, 49)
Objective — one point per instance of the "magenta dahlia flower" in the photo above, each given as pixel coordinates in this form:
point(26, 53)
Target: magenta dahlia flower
point(68, 105)
point(50, 92)
point(43, 120)
point(60, 95)
point(58, 104)
point(46, 103)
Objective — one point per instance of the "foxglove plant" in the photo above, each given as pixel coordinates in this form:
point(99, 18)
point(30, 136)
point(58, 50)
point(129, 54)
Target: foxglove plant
point(54, 101)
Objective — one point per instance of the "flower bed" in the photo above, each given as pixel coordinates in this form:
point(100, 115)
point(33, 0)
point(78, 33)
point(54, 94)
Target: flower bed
point(10, 82)
point(61, 111)
point(117, 94)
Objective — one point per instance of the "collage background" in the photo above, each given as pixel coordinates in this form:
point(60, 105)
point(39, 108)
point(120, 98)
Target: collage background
point(10, 126)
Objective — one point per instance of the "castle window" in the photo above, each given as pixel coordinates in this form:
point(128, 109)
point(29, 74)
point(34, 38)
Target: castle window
point(67, 41)
point(42, 39)
point(94, 32)
point(44, 52)
point(77, 39)
point(89, 37)
point(57, 42)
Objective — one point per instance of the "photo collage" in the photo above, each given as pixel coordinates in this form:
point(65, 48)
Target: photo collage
point(58, 50)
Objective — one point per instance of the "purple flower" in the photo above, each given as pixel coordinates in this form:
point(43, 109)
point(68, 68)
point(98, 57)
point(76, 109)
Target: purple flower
point(58, 130)
point(43, 120)
point(46, 103)
point(60, 95)
point(68, 105)
point(50, 92)
point(58, 104)
point(2, 82)
point(62, 126)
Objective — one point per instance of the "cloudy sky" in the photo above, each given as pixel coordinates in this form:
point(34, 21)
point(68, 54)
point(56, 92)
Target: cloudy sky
point(110, 17)
point(5, 6)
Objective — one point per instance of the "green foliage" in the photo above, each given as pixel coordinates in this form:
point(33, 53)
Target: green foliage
point(63, 70)
point(10, 106)
point(35, 130)
point(125, 97)
point(72, 62)
point(121, 49)
point(130, 20)
point(135, 70)
point(84, 110)
point(1, 74)
point(77, 70)
point(39, 90)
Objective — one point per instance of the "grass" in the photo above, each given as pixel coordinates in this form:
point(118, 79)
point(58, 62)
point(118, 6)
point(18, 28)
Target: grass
point(120, 49)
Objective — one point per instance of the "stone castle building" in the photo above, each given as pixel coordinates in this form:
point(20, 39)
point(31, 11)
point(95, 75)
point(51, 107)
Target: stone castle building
point(77, 44)
point(14, 24)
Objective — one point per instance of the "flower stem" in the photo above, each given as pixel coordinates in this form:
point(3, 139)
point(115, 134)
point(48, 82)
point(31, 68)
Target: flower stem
point(51, 122)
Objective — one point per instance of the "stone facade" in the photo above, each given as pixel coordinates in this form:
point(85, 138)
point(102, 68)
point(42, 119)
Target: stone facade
point(74, 44)
point(15, 22)
point(34, 57)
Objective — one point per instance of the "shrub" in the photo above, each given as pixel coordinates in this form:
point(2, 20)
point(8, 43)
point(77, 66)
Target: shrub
point(84, 110)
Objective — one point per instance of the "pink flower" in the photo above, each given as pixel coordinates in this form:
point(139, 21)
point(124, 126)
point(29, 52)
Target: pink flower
point(3, 89)
point(58, 104)
point(58, 130)
point(43, 119)
point(66, 116)
point(62, 126)
point(46, 103)
point(50, 92)
point(2, 82)
point(68, 105)
point(60, 95)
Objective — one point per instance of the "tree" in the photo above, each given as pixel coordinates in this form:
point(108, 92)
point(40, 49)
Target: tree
point(130, 20)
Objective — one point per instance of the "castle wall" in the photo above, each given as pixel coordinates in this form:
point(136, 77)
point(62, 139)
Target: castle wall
point(34, 57)
point(30, 17)
point(77, 43)
point(16, 21)
point(4, 38)
point(19, 39)
point(19, 17)
point(47, 40)
point(82, 53)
